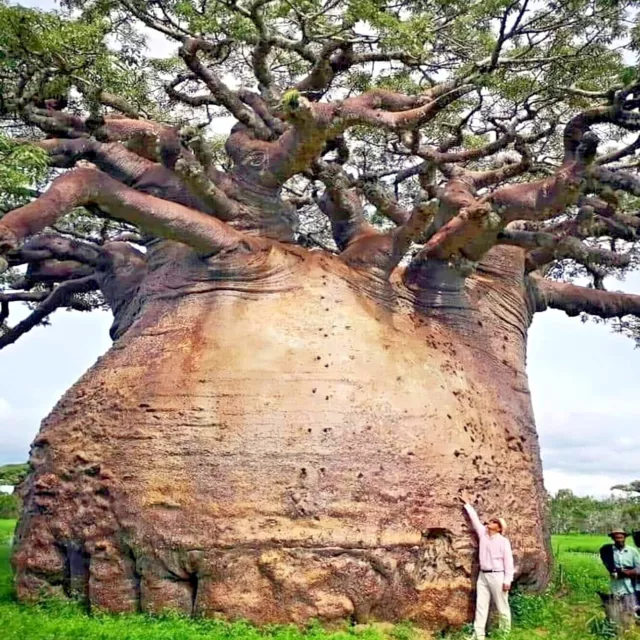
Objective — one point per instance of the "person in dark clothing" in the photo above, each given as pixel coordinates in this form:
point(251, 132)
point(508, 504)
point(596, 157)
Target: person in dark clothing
point(636, 540)
point(623, 564)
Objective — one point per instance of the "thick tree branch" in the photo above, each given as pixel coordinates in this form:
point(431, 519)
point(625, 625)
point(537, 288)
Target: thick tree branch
point(545, 198)
point(200, 183)
point(205, 234)
point(432, 156)
point(59, 297)
point(616, 113)
point(474, 229)
point(51, 271)
point(313, 124)
point(23, 296)
point(574, 300)
point(112, 158)
point(225, 96)
point(413, 230)
point(193, 101)
point(614, 156)
point(133, 170)
point(397, 112)
point(584, 93)
point(149, 139)
point(547, 247)
point(106, 98)
point(384, 202)
point(48, 246)
point(341, 204)
point(616, 179)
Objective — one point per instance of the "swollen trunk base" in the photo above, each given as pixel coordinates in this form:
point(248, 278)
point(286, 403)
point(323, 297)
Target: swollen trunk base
point(286, 448)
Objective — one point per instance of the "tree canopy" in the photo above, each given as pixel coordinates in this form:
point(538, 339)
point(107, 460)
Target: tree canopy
point(392, 133)
point(13, 474)
point(632, 487)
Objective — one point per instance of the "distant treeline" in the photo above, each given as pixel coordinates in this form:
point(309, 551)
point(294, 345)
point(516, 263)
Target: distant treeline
point(574, 514)
point(9, 506)
point(11, 475)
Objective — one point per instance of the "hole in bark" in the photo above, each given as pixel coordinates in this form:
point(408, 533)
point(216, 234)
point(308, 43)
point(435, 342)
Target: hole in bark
point(303, 472)
point(76, 572)
point(193, 584)
point(131, 567)
point(313, 390)
point(456, 454)
point(322, 469)
point(434, 533)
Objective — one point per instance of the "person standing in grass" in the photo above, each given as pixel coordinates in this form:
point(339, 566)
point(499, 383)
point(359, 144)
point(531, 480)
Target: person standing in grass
point(496, 570)
point(636, 540)
point(623, 564)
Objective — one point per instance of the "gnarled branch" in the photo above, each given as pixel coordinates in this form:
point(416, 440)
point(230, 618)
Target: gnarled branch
point(205, 234)
point(546, 247)
point(225, 96)
point(574, 300)
point(59, 297)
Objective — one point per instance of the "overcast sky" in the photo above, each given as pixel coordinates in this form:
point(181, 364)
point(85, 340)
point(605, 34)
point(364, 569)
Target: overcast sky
point(583, 378)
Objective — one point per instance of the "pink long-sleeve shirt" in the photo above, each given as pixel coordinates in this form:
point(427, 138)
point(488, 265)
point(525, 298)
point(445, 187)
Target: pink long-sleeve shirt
point(495, 551)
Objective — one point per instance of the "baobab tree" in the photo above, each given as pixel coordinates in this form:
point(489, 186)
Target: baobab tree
point(321, 312)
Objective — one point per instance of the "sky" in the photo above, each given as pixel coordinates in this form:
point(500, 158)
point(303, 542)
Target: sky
point(583, 379)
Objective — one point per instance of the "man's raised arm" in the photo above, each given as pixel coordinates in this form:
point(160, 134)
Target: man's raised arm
point(473, 516)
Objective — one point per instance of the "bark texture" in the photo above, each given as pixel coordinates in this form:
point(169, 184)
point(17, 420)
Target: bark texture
point(279, 437)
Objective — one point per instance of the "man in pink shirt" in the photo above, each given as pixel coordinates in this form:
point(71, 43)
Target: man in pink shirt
point(496, 570)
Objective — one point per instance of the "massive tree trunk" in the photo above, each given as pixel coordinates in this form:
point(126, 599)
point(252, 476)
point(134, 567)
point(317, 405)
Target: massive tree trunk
point(279, 437)
point(281, 434)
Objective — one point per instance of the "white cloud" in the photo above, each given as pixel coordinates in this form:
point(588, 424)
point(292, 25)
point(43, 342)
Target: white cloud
point(39, 368)
point(581, 484)
point(583, 382)
point(18, 427)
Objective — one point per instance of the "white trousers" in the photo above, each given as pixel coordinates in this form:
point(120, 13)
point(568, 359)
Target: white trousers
point(489, 589)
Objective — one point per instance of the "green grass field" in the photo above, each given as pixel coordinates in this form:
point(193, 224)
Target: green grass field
point(570, 610)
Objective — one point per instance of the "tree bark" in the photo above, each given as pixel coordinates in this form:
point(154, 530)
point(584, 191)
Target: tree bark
point(279, 437)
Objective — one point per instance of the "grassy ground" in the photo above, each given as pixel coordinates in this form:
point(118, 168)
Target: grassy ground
point(570, 610)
